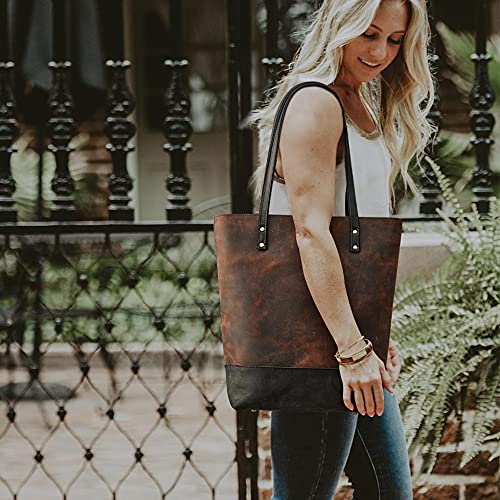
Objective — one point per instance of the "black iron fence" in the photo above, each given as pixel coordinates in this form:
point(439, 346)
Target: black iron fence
point(137, 308)
point(132, 308)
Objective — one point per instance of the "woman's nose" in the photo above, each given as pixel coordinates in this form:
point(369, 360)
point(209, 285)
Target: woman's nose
point(379, 52)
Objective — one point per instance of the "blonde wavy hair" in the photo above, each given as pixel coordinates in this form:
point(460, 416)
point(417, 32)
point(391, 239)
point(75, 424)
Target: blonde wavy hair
point(402, 95)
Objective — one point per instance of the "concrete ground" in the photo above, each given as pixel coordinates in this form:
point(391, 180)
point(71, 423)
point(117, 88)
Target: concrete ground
point(113, 472)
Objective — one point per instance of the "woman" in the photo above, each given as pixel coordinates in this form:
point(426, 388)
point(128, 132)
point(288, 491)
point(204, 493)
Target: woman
point(373, 54)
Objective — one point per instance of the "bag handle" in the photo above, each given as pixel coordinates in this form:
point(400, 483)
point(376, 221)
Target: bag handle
point(351, 208)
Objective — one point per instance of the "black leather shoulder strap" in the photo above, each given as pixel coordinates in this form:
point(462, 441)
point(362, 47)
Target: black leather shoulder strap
point(351, 208)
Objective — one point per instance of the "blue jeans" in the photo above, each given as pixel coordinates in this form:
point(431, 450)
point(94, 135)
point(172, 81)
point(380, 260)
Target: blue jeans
point(309, 450)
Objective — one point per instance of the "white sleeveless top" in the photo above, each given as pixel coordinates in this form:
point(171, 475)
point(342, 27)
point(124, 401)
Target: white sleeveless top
point(371, 166)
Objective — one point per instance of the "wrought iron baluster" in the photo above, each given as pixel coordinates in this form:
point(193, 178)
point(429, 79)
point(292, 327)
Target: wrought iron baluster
point(8, 125)
point(241, 200)
point(430, 188)
point(482, 120)
point(61, 126)
point(233, 98)
point(177, 127)
point(247, 453)
point(239, 16)
point(120, 104)
point(272, 62)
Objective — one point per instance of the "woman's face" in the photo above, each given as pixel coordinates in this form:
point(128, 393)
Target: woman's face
point(369, 54)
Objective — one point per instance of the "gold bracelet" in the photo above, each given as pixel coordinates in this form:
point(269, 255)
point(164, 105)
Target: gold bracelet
point(363, 356)
point(354, 343)
point(357, 356)
point(356, 359)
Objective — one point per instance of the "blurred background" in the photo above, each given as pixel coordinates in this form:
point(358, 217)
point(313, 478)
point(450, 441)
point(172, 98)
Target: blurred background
point(120, 139)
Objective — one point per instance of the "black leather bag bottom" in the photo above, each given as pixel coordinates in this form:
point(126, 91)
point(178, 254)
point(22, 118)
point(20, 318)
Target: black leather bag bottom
point(295, 389)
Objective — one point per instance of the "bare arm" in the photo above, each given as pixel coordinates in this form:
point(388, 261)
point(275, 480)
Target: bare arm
point(311, 131)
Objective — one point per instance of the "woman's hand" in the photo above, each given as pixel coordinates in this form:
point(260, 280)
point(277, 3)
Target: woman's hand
point(367, 379)
point(393, 364)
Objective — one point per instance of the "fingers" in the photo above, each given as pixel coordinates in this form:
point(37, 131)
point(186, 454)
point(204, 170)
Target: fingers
point(390, 369)
point(369, 401)
point(386, 379)
point(397, 370)
point(378, 394)
point(360, 402)
point(394, 365)
point(396, 362)
point(367, 386)
point(347, 398)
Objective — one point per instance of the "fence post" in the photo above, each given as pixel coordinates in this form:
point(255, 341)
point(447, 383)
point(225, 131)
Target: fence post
point(247, 454)
point(8, 124)
point(482, 120)
point(120, 104)
point(239, 50)
point(430, 189)
point(61, 126)
point(272, 62)
point(177, 124)
point(239, 16)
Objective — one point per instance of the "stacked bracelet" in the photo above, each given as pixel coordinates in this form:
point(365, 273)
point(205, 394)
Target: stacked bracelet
point(357, 356)
point(353, 344)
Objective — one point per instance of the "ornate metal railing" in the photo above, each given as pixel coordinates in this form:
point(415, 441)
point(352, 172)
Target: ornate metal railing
point(126, 320)
point(109, 331)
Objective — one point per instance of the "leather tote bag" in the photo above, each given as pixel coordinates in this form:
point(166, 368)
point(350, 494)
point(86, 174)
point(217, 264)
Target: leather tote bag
point(278, 352)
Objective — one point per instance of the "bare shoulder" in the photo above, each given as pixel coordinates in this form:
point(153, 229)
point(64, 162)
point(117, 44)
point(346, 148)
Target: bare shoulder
point(311, 131)
point(314, 115)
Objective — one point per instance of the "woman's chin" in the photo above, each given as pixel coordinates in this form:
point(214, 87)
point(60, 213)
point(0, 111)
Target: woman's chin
point(367, 78)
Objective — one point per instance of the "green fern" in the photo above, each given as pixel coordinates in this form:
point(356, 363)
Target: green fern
point(447, 328)
point(488, 393)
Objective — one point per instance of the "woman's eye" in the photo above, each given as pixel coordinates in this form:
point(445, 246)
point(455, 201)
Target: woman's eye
point(372, 36)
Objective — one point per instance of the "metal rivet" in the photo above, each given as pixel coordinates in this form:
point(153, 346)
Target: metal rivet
point(261, 245)
point(262, 228)
point(354, 231)
point(355, 247)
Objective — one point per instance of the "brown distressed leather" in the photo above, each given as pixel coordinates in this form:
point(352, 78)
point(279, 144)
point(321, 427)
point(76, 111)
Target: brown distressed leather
point(268, 315)
point(269, 318)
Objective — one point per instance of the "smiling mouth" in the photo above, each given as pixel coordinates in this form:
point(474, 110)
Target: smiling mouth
point(368, 65)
